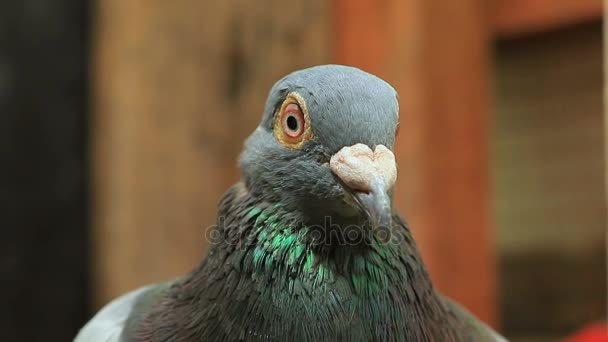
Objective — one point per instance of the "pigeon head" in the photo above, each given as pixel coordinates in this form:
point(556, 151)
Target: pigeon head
point(324, 145)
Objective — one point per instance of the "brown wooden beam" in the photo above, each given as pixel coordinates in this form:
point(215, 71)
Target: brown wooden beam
point(436, 53)
point(515, 17)
point(178, 86)
point(605, 107)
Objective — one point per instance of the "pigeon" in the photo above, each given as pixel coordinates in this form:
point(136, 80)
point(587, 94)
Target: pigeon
point(307, 245)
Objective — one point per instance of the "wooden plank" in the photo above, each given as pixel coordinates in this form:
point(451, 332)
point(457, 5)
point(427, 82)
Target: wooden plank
point(606, 112)
point(514, 17)
point(178, 86)
point(436, 53)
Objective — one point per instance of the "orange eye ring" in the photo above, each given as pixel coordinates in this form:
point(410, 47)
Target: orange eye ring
point(292, 122)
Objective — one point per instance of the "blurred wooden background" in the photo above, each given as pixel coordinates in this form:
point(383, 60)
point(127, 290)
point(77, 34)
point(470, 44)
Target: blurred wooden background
point(179, 85)
point(547, 165)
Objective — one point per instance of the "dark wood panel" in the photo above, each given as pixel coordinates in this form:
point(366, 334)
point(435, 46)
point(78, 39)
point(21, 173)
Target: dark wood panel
point(548, 180)
point(43, 172)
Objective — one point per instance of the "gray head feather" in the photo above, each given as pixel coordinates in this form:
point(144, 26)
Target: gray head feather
point(346, 106)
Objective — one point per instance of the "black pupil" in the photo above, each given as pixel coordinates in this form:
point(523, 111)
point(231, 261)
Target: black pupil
point(292, 123)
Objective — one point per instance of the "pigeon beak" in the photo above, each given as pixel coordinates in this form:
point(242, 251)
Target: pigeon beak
point(368, 176)
point(376, 204)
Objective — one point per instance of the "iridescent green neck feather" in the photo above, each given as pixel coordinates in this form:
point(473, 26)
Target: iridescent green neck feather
point(269, 275)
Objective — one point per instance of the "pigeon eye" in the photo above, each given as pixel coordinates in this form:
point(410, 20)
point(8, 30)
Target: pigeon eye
point(292, 123)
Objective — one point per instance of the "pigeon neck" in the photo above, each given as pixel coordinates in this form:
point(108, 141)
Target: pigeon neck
point(264, 237)
point(265, 272)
